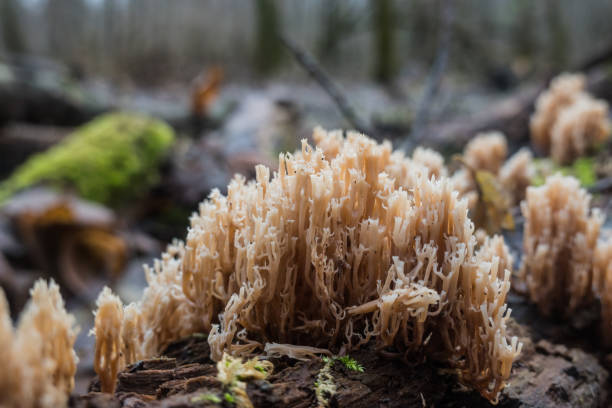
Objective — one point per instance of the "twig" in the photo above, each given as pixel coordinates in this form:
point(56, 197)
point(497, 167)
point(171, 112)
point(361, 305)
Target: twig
point(434, 77)
point(317, 73)
point(604, 55)
point(605, 184)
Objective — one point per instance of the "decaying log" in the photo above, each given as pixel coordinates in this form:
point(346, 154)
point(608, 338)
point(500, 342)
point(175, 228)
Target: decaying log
point(24, 102)
point(18, 141)
point(511, 116)
point(545, 375)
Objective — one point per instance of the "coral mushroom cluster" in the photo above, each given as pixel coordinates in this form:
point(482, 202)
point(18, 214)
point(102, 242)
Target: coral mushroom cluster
point(127, 334)
point(38, 360)
point(345, 244)
point(559, 243)
point(568, 121)
point(602, 270)
point(516, 173)
point(109, 347)
point(487, 152)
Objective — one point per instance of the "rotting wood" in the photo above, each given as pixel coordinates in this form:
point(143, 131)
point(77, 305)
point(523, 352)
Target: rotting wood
point(546, 374)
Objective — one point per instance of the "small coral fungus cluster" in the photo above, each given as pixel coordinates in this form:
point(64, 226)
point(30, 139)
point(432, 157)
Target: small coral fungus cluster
point(559, 242)
point(346, 244)
point(38, 360)
point(602, 277)
point(490, 183)
point(568, 121)
point(488, 152)
point(564, 266)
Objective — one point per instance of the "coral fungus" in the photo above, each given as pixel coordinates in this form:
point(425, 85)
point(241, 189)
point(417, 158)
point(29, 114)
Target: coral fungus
point(567, 121)
point(562, 92)
point(558, 245)
point(580, 126)
point(493, 247)
point(38, 358)
point(602, 269)
point(486, 151)
point(516, 173)
point(109, 345)
point(431, 159)
point(490, 185)
point(346, 244)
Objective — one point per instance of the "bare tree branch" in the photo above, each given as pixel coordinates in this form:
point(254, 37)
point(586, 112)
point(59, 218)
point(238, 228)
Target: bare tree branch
point(317, 73)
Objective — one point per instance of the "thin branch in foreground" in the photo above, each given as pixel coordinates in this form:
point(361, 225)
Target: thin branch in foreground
point(317, 73)
point(434, 77)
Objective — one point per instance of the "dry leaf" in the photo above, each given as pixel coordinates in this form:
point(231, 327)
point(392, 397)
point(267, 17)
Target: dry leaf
point(496, 202)
point(493, 209)
point(206, 91)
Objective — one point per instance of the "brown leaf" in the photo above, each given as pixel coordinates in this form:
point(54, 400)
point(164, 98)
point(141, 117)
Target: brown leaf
point(68, 238)
point(496, 202)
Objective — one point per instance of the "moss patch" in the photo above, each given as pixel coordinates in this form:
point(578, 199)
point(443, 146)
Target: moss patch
point(583, 169)
point(113, 157)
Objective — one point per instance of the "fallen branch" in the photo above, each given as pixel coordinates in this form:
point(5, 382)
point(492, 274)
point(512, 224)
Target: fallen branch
point(511, 116)
point(603, 56)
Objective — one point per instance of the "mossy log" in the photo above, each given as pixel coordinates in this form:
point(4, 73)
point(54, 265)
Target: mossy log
point(107, 160)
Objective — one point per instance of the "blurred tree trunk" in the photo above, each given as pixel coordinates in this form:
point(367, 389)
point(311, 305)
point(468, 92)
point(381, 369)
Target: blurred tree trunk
point(268, 49)
point(337, 23)
point(66, 30)
point(523, 29)
point(421, 24)
point(112, 48)
point(11, 30)
point(558, 35)
point(383, 28)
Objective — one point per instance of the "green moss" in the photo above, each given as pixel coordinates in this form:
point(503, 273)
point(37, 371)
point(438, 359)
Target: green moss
point(325, 388)
point(583, 169)
point(206, 398)
point(351, 363)
point(348, 361)
point(110, 159)
point(229, 398)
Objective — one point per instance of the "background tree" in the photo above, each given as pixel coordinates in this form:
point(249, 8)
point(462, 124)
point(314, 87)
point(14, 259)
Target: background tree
point(10, 26)
point(268, 49)
point(383, 28)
